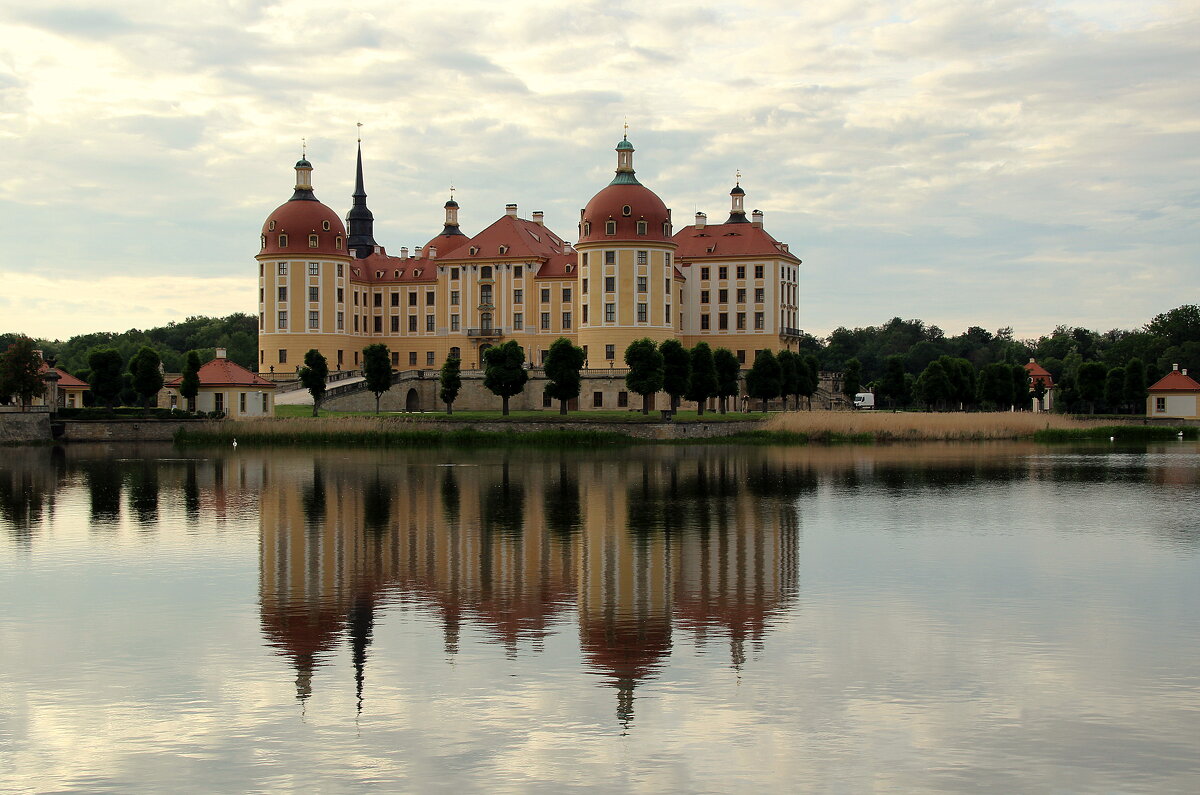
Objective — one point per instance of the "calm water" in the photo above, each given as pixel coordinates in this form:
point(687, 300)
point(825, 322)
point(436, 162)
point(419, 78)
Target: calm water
point(999, 617)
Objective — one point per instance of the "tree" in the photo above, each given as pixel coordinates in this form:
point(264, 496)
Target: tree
point(105, 377)
point(562, 365)
point(812, 371)
point(851, 378)
point(703, 383)
point(1020, 385)
point(677, 370)
point(728, 371)
point(1135, 383)
point(994, 388)
point(1177, 326)
point(313, 375)
point(1090, 383)
point(146, 369)
point(189, 385)
point(450, 382)
point(1114, 389)
point(645, 376)
point(933, 385)
point(377, 370)
point(765, 380)
point(789, 376)
point(893, 387)
point(21, 371)
point(504, 372)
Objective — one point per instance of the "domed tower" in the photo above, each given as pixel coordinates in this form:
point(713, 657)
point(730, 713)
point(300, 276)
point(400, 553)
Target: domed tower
point(302, 281)
point(627, 284)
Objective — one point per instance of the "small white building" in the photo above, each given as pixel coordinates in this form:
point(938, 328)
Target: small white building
point(227, 387)
point(1174, 396)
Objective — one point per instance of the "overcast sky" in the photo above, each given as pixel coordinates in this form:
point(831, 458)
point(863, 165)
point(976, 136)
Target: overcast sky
point(995, 163)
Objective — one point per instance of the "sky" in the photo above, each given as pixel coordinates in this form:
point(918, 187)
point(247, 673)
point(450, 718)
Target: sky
point(994, 163)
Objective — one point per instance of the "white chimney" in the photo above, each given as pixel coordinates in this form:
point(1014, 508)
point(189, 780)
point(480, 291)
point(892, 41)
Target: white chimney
point(417, 252)
point(756, 218)
point(701, 218)
point(510, 209)
point(221, 353)
point(1184, 371)
point(1175, 367)
point(537, 217)
point(404, 252)
point(432, 252)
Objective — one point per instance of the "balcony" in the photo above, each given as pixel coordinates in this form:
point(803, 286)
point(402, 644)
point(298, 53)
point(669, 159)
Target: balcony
point(485, 333)
point(790, 332)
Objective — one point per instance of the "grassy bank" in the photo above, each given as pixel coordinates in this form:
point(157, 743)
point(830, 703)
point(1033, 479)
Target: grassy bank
point(545, 415)
point(860, 426)
point(1117, 433)
point(379, 432)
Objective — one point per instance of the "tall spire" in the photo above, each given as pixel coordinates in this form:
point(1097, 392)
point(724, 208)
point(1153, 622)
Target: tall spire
point(360, 222)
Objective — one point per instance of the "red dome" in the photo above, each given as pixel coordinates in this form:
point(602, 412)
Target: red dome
point(298, 219)
point(609, 205)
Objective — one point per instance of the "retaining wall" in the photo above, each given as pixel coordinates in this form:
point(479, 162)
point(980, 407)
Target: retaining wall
point(131, 430)
point(637, 430)
point(24, 428)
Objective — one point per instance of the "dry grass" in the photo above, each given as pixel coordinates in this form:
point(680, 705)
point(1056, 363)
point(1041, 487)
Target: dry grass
point(904, 426)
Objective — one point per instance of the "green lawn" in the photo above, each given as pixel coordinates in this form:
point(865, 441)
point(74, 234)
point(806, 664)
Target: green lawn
point(548, 415)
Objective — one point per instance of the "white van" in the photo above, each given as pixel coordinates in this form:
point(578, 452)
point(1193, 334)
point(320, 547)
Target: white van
point(864, 400)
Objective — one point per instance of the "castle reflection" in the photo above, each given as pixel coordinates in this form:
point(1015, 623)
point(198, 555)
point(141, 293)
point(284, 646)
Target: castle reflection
point(631, 550)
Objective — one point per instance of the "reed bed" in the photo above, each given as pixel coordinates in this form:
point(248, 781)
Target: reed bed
point(866, 426)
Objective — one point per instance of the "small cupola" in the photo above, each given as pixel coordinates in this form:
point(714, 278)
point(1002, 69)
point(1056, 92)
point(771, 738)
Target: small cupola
point(625, 173)
point(450, 226)
point(304, 189)
point(737, 210)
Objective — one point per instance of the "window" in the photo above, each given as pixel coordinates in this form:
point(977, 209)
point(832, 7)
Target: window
point(485, 294)
point(412, 322)
point(337, 242)
point(545, 295)
point(704, 321)
point(313, 242)
point(282, 320)
point(722, 272)
point(341, 295)
point(758, 271)
point(282, 293)
point(283, 269)
point(722, 296)
point(395, 300)
point(610, 258)
point(283, 356)
point(454, 274)
point(597, 400)
point(667, 256)
point(642, 257)
point(455, 353)
point(641, 227)
point(378, 325)
point(704, 274)
point(610, 313)
point(667, 287)
point(1160, 404)
point(356, 322)
point(642, 285)
point(518, 296)
point(454, 323)
point(723, 321)
point(610, 227)
point(412, 299)
point(429, 323)
point(314, 294)
point(412, 358)
point(314, 269)
point(610, 352)
point(429, 358)
point(547, 401)
point(760, 294)
point(741, 321)
point(741, 295)
point(219, 401)
point(641, 313)
point(378, 299)
point(585, 258)
point(518, 321)
point(395, 324)
point(622, 399)
point(356, 297)
point(704, 296)
point(325, 225)
point(429, 298)
point(314, 319)
point(264, 403)
point(395, 358)
point(610, 284)
point(341, 321)
point(242, 402)
point(566, 295)
point(758, 320)
point(741, 271)
point(518, 271)
point(341, 270)
point(545, 320)
point(271, 226)
point(741, 357)
point(585, 313)
point(262, 321)
point(566, 320)
point(667, 312)
point(283, 241)
point(542, 354)
point(454, 297)
point(485, 272)
point(585, 286)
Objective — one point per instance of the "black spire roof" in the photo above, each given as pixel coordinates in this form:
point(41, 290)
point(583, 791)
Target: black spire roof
point(360, 222)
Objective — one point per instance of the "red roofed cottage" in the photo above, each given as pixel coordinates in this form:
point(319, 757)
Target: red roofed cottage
point(1175, 395)
point(229, 388)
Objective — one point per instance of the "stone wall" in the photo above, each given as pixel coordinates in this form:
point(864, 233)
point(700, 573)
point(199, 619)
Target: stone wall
point(130, 430)
point(24, 428)
point(637, 430)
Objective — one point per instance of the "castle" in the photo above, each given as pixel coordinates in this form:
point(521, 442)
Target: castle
point(332, 287)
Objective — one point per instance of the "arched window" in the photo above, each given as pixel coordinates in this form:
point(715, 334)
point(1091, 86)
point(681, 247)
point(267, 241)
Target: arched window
point(337, 243)
point(264, 241)
point(485, 321)
point(283, 241)
point(312, 241)
point(587, 228)
point(610, 227)
point(455, 353)
point(641, 227)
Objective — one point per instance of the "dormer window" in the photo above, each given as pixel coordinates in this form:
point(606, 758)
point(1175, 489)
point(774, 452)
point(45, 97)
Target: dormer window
point(263, 240)
point(666, 228)
point(473, 250)
point(325, 225)
point(312, 241)
point(503, 250)
point(417, 273)
point(587, 228)
point(283, 241)
point(570, 268)
point(271, 226)
point(378, 274)
point(610, 227)
point(626, 211)
point(641, 227)
point(395, 274)
point(337, 243)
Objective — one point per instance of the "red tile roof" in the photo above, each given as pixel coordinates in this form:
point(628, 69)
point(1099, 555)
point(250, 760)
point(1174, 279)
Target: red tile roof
point(65, 379)
point(223, 372)
point(1175, 381)
point(1038, 373)
point(728, 240)
point(520, 238)
point(382, 268)
point(556, 267)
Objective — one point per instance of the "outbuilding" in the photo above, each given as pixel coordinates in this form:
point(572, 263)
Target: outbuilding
point(1174, 396)
point(227, 387)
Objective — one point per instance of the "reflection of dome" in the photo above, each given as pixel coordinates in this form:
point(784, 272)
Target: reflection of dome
point(625, 652)
point(302, 636)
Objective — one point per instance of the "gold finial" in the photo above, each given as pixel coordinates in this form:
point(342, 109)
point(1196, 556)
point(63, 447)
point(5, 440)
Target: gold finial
point(451, 190)
point(359, 125)
point(738, 177)
point(304, 149)
point(626, 128)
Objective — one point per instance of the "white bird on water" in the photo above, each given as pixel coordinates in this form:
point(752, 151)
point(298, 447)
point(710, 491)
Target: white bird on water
point(1111, 439)
point(235, 442)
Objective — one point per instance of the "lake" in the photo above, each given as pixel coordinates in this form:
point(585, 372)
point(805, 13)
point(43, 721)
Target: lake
point(966, 617)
